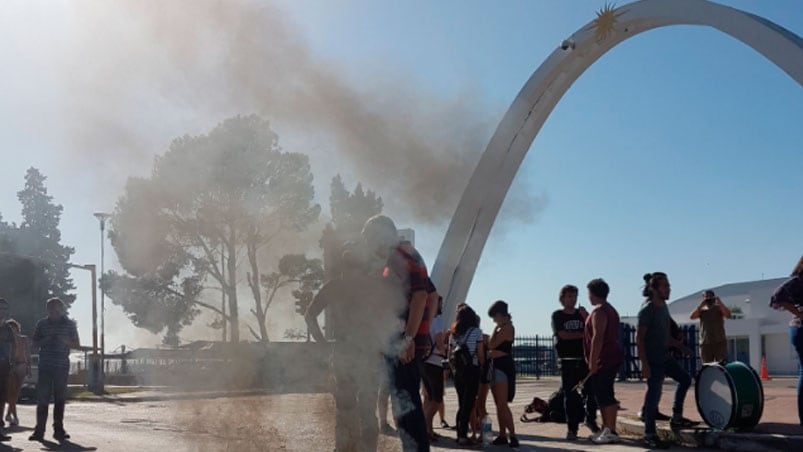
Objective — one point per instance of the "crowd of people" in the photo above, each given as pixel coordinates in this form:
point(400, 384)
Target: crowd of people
point(53, 336)
point(385, 276)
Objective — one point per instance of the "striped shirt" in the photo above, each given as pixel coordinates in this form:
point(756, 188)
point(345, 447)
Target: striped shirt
point(471, 338)
point(54, 338)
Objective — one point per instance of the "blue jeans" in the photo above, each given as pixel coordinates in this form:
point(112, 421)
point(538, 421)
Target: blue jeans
point(796, 336)
point(404, 383)
point(51, 381)
point(658, 370)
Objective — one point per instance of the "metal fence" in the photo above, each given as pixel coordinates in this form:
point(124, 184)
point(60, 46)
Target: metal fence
point(536, 356)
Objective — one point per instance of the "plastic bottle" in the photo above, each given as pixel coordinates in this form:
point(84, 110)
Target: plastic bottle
point(487, 431)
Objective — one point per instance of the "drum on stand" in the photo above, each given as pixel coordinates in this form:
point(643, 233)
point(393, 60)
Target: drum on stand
point(729, 396)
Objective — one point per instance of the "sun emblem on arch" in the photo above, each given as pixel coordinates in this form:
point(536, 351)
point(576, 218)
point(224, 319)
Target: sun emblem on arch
point(605, 23)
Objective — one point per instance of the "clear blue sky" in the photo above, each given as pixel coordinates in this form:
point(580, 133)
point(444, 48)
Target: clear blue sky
point(678, 151)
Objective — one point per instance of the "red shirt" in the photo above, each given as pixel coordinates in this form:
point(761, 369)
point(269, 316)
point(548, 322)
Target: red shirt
point(406, 267)
point(610, 356)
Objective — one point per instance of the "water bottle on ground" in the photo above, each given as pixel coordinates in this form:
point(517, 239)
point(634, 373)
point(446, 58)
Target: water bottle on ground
point(487, 431)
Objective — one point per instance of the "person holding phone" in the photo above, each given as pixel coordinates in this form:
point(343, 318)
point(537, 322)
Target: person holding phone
point(712, 313)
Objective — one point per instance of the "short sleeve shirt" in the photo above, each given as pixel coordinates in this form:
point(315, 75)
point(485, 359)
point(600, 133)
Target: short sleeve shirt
point(406, 267)
point(53, 338)
point(712, 325)
point(572, 323)
point(656, 321)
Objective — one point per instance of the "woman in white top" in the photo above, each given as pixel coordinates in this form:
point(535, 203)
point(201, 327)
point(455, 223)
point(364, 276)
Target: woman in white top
point(466, 333)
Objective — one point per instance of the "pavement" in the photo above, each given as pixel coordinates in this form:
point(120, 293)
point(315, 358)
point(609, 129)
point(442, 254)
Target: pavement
point(203, 420)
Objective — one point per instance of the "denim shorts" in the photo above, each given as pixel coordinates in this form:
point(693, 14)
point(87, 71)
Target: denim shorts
point(499, 376)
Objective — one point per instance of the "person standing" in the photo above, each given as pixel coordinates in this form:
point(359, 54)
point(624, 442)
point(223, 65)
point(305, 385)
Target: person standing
point(712, 313)
point(358, 330)
point(21, 367)
point(503, 386)
point(55, 335)
point(653, 340)
point(432, 370)
point(790, 298)
point(603, 356)
point(467, 335)
point(7, 350)
point(568, 324)
point(405, 272)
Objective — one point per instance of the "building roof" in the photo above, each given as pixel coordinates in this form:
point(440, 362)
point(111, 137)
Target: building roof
point(752, 297)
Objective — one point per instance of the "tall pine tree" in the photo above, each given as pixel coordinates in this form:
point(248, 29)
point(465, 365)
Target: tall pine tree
point(39, 236)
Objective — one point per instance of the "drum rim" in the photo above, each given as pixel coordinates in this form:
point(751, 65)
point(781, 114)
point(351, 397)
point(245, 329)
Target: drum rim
point(732, 387)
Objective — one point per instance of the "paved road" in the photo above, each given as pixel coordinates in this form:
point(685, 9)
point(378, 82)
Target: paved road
point(292, 422)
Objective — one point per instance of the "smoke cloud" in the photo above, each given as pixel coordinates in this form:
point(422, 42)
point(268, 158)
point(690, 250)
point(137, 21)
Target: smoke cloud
point(139, 69)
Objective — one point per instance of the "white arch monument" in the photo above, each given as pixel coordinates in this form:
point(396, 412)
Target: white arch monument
point(477, 210)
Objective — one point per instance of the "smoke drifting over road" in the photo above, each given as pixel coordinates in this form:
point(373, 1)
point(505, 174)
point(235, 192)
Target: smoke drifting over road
point(141, 67)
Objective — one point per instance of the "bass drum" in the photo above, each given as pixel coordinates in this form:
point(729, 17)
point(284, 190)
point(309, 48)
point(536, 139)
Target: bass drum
point(729, 396)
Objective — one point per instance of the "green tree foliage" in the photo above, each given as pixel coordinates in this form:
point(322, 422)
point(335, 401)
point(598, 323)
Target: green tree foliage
point(40, 237)
point(349, 212)
point(34, 265)
point(210, 200)
point(295, 271)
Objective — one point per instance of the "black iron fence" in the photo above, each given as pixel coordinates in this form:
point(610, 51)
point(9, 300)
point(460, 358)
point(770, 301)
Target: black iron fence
point(536, 356)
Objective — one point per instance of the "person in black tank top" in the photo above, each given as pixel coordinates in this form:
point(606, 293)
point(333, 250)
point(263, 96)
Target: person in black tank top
point(504, 385)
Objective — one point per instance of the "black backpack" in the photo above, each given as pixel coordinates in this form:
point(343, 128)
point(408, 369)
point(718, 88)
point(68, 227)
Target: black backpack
point(461, 356)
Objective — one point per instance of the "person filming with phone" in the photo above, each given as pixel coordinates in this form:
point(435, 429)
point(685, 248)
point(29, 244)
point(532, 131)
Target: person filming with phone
point(712, 313)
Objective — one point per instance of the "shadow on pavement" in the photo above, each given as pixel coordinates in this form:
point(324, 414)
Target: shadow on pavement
point(64, 445)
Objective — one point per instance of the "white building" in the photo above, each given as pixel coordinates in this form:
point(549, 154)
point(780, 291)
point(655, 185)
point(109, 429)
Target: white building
point(758, 330)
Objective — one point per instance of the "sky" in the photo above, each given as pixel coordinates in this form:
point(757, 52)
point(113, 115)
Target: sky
point(678, 151)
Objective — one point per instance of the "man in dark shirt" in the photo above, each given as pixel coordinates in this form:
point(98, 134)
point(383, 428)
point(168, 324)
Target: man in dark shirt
point(406, 273)
point(653, 340)
point(6, 353)
point(55, 335)
point(568, 324)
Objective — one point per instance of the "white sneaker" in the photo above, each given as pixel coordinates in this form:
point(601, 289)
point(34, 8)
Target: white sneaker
point(606, 436)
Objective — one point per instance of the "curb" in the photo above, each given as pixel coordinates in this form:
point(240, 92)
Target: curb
point(705, 437)
point(169, 396)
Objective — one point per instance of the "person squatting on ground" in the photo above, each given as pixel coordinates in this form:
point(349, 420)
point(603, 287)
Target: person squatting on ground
point(790, 298)
point(359, 329)
point(568, 324)
point(653, 340)
point(503, 386)
point(7, 350)
point(20, 368)
point(603, 356)
point(466, 356)
point(404, 270)
point(55, 335)
point(712, 313)
point(432, 370)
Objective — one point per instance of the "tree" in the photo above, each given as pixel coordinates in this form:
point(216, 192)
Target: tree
point(209, 200)
point(349, 212)
point(295, 270)
point(39, 236)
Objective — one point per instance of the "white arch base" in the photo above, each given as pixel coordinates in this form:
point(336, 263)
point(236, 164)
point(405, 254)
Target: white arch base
point(468, 231)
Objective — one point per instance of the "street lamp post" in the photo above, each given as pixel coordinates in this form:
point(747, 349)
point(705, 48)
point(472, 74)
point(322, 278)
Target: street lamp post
point(102, 217)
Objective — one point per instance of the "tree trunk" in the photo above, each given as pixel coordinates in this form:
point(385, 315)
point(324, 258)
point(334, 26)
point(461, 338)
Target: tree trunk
point(253, 281)
point(232, 286)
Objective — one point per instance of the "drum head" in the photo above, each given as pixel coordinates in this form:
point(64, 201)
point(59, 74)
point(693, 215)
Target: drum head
point(715, 396)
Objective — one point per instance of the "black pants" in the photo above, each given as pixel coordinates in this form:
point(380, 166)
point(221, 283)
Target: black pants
point(51, 382)
point(466, 382)
point(405, 396)
point(571, 373)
